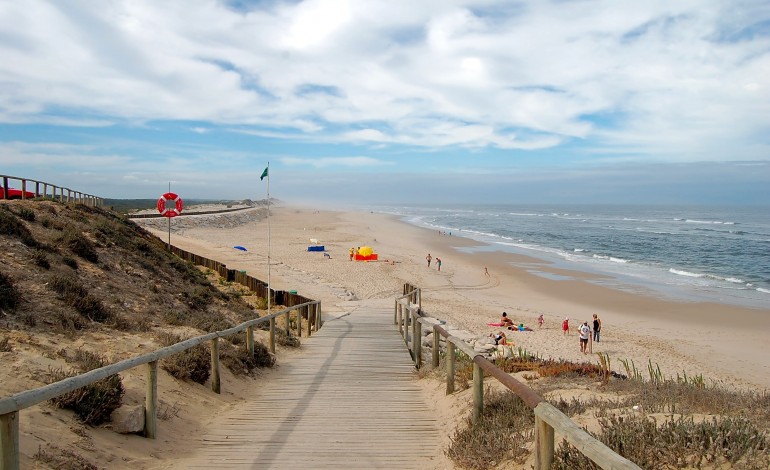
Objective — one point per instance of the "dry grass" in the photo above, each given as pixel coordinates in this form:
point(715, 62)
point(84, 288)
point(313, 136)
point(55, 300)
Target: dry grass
point(680, 422)
point(9, 294)
point(62, 459)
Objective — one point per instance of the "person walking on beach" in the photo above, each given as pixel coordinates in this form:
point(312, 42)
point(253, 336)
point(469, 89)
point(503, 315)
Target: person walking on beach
point(565, 326)
point(438, 263)
point(486, 271)
point(351, 253)
point(540, 321)
point(585, 332)
point(429, 258)
point(597, 327)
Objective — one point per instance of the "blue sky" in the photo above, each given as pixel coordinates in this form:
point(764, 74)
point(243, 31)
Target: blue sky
point(361, 101)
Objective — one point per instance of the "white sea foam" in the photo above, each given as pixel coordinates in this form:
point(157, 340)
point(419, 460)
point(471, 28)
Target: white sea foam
point(611, 258)
point(685, 273)
point(764, 291)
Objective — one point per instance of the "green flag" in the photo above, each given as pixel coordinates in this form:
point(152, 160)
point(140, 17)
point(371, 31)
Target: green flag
point(264, 173)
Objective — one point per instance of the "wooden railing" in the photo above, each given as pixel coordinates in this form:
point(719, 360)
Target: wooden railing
point(71, 195)
point(547, 417)
point(11, 406)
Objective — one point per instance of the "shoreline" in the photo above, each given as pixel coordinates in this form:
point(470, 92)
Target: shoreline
point(722, 342)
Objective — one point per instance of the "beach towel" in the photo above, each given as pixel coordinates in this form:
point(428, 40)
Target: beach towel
point(495, 324)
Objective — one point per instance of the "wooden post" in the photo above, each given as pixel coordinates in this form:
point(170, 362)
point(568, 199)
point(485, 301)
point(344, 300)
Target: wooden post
point(395, 312)
point(288, 323)
point(436, 345)
point(45, 189)
point(419, 299)
point(215, 386)
point(478, 392)
point(318, 316)
point(299, 322)
point(309, 309)
point(151, 401)
point(24, 189)
point(9, 438)
point(5, 187)
point(272, 335)
point(543, 444)
point(406, 326)
point(399, 320)
point(37, 188)
point(450, 367)
point(417, 341)
point(250, 340)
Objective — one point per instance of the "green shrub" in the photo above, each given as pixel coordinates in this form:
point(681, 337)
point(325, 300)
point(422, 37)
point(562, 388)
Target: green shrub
point(199, 298)
point(192, 364)
point(78, 297)
point(94, 403)
point(239, 361)
point(9, 294)
point(71, 262)
point(27, 214)
point(41, 259)
point(11, 225)
point(81, 246)
point(501, 434)
point(286, 339)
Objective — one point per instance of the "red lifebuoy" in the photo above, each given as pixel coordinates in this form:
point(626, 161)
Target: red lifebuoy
point(170, 205)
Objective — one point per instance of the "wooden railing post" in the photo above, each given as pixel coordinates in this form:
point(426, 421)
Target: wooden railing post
point(436, 345)
point(250, 340)
point(399, 320)
point(24, 189)
point(151, 401)
point(299, 322)
point(478, 392)
point(450, 367)
point(272, 335)
point(416, 341)
point(215, 386)
point(5, 187)
point(9, 439)
point(288, 323)
point(543, 444)
point(310, 319)
point(406, 326)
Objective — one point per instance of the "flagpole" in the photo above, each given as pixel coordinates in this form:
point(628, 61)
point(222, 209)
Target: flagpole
point(269, 292)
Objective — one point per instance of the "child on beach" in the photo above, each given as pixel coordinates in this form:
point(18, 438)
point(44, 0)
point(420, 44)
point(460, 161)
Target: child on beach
point(540, 321)
point(438, 263)
point(565, 326)
point(505, 321)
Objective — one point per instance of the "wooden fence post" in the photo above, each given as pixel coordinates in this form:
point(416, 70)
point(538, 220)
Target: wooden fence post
point(151, 401)
point(272, 335)
point(478, 392)
point(450, 367)
point(309, 309)
point(288, 323)
point(9, 439)
point(24, 189)
point(299, 322)
point(399, 320)
point(215, 385)
point(250, 341)
point(436, 345)
point(406, 326)
point(417, 341)
point(543, 444)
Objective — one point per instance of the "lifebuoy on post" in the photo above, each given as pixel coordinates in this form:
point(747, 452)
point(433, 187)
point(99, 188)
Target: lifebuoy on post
point(170, 205)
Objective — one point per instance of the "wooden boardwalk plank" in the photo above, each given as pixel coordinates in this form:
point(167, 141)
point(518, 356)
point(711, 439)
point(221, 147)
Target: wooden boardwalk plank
point(351, 401)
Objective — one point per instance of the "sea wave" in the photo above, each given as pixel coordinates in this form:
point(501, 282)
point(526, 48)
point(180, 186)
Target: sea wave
point(611, 258)
point(711, 222)
point(764, 291)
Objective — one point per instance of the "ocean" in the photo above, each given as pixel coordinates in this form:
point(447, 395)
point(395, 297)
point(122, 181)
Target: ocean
point(690, 253)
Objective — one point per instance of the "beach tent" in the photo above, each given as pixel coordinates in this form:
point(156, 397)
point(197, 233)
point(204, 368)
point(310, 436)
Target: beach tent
point(366, 253)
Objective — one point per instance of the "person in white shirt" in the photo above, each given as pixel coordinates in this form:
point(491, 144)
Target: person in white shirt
point(585, 331)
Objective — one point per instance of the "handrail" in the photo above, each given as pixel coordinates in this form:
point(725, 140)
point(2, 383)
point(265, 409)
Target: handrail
point(72, 195)
point(12, 405)
point(547, 417)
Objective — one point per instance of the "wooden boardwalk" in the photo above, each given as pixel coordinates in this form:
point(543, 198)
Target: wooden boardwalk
point(351, 401)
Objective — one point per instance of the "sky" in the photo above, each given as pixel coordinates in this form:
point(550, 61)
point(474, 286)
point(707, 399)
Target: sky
point(389, 101)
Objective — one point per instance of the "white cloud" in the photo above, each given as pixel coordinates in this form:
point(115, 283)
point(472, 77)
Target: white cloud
point(655, 78)
point(324, 162)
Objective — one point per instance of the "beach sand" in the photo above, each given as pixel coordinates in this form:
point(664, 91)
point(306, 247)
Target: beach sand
point(722, 342)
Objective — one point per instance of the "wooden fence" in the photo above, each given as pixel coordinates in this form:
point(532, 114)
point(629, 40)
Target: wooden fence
point(56, 192)
point(11, 406)
point(547, 417)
